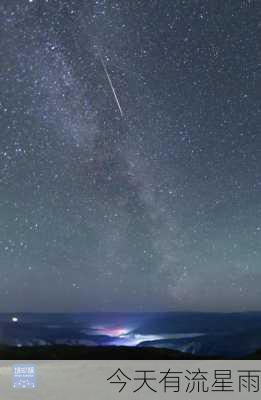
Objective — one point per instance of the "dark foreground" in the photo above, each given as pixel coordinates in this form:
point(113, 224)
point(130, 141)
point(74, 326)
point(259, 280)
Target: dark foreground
point(64, 352)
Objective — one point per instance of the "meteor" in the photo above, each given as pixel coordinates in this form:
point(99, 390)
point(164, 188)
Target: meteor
point(111, 84)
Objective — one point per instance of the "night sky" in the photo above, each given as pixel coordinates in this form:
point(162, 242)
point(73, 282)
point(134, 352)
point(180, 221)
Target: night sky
point(155, 209)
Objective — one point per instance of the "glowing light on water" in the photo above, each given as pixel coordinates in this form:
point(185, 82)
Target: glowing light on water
point(127, 336)
point(14, 319)
point(135, 339)
point(111, 331)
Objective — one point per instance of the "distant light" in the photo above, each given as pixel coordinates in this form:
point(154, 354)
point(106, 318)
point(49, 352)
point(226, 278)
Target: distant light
point(14, 319)
point(111, 331)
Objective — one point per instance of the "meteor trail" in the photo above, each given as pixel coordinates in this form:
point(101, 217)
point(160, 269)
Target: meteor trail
point(111, 84)
point(106, 70)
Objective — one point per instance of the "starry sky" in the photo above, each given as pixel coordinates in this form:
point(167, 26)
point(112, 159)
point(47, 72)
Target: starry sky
point(157, 209)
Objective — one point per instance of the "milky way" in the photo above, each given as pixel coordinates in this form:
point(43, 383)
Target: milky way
point(157, 207)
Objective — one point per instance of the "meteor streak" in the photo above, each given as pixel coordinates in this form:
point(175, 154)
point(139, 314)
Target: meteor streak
point(111, 84)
